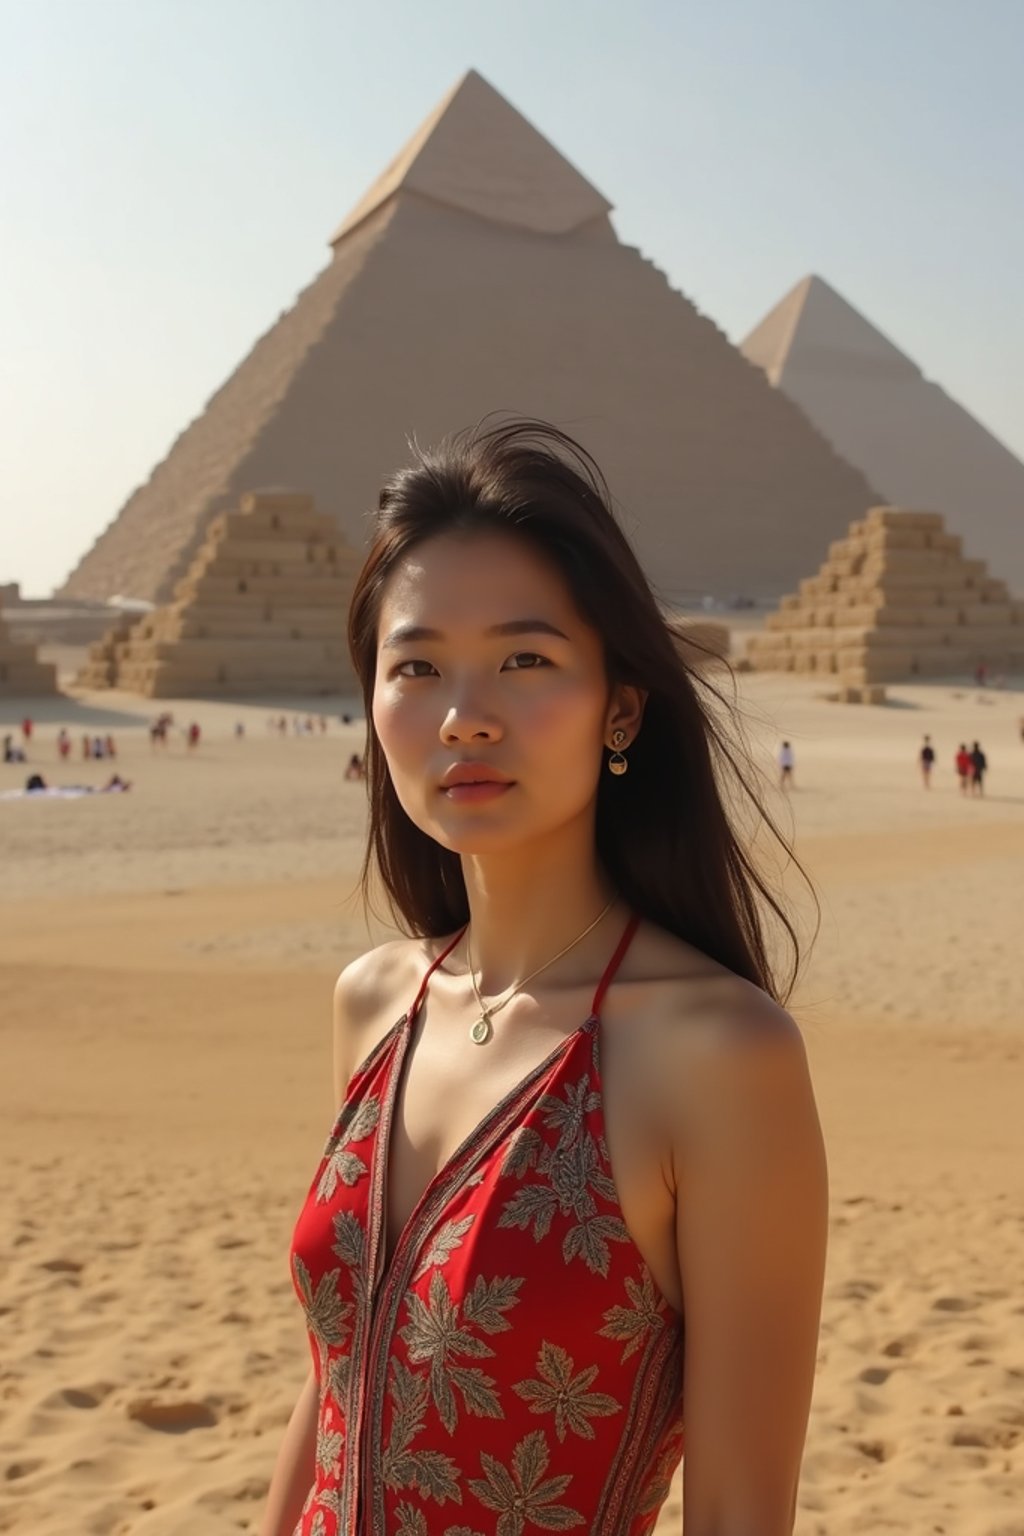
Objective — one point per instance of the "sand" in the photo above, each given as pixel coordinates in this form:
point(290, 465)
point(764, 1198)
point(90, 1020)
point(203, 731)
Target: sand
point(167, 959)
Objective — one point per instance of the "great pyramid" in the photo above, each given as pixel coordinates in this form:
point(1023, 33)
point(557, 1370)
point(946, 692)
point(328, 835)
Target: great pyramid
point(895, 599)
point(22, 674)
point(263, 610)
point(482, 273)
point(918, 446)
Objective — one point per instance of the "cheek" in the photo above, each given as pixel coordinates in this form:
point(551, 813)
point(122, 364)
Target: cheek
point(394, 722)
point(571, 711)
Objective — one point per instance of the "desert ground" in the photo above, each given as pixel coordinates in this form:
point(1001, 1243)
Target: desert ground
point(167, 958)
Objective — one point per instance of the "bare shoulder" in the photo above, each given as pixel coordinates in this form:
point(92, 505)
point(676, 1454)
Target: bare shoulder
point(709, 1034)
point(370, 995)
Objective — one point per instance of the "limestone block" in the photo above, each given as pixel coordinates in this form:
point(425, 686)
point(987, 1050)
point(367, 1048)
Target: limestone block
point(901, 517)
point(860, 692)
point(23, 676)
point(951, 543)
point(882, 539)
point(984, 615)
point(319, 589)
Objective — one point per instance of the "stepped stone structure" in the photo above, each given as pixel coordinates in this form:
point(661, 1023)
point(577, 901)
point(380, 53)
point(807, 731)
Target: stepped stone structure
point(22, 674)
point(482, 273)
point(912, 441)
point(262, 610)
point(895, 599)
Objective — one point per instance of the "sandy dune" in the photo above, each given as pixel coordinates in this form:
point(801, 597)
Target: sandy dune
point(167, 959)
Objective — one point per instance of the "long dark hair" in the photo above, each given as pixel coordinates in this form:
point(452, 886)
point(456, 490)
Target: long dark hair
point(665, 832)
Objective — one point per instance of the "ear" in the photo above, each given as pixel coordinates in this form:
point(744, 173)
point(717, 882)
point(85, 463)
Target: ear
point(625, 711)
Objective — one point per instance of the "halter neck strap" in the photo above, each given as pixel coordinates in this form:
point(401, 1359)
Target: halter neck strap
point(602, 986)
point(613, 965)
point(414, 1010)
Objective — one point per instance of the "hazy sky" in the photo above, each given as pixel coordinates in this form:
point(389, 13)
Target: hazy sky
point(171, 170)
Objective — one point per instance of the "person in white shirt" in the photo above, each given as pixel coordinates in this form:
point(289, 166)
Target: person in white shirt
point(785, 766)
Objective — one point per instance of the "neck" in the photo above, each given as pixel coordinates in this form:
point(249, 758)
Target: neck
point(527, 905)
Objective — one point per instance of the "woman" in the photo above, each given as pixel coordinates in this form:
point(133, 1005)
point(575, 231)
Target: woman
point(591, 1127)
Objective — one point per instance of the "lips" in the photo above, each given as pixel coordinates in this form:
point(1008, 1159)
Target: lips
point(460, 774)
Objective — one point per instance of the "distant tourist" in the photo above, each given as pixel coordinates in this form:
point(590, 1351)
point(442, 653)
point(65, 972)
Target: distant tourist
point(34, 783)
point(86, 748)
point(981, 674)
point(12, 754)
point(979, 767)
point(26, 729)
point(110, 748)
point(63, 743)
point(927, 756)
point(193, 735)
point(964, 768)
point(356, 767)
point(239, 729)
point(323, 724)
point(786, 765)
point(99, 749)
point(115, 785)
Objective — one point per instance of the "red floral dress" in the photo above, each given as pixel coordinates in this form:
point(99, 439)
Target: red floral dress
point(516, 1369)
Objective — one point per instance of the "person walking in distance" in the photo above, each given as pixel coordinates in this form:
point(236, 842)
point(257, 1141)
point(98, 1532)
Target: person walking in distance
point(927, 757)
point(786, 765)
point(964, 768)
point(979, 766)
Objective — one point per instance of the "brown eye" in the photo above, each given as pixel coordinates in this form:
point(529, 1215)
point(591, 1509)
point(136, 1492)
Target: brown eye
point(415, 662)
point(532, 660)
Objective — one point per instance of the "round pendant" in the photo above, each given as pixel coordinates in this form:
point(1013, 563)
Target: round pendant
point(481, 1031)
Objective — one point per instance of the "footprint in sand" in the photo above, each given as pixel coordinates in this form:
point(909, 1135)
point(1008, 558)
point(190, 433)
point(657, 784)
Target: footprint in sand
point(63, 1266)
point(875, 1375)
point(953, 1304)
point(173, 1418)
point(901, 1348)
point(874, 1450)
point(80, 1397)
point(16, 1469)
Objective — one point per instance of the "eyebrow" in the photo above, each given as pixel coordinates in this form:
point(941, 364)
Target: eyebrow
point(409, 632)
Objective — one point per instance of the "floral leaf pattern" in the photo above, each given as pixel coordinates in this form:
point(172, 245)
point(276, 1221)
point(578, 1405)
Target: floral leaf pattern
point(642, 1317)
point(574, 1172)
point(326, 1312)
point(557, 1391)
point(434, 1333)
point(519, 1496)
point(444, 1242)
point(342, 1164)
point(430, 1472)
point(466, 1386)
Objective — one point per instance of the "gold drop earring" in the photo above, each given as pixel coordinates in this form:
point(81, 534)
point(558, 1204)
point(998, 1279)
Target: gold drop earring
point(617, 763)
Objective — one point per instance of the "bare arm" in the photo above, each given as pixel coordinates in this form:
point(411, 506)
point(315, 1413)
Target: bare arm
point(295, 1468)
point(751, 1227)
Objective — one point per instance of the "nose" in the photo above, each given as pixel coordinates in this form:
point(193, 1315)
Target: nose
point(467, 720)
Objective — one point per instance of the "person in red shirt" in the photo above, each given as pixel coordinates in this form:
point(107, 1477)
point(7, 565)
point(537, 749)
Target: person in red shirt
point(963, 767)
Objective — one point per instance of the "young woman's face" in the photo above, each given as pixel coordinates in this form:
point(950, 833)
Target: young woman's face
point(482, 658)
